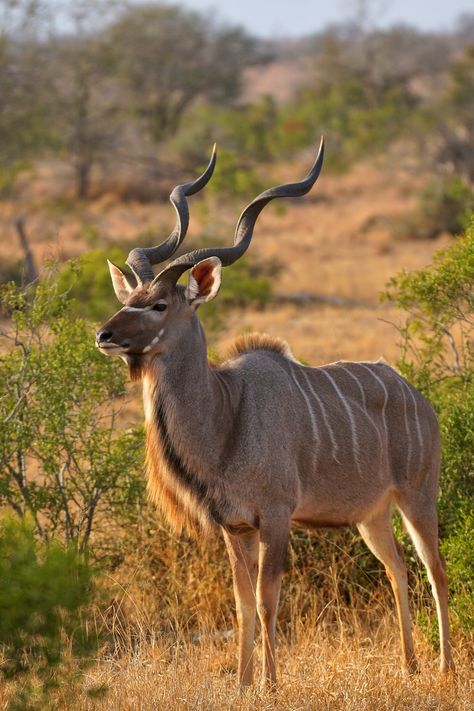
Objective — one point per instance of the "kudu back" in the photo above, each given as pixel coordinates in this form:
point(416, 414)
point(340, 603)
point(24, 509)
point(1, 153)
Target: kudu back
point(262, 442)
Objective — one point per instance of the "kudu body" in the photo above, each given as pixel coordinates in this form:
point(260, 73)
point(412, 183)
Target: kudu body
point(262, 442)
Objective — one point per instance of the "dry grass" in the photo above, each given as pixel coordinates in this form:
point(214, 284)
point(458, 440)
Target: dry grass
point(350, 668)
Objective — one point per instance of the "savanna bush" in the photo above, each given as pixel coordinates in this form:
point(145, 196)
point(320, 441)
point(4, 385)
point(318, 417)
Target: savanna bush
point(445, 204)
point(437, 356)
point(64, 460)
point(46, 632)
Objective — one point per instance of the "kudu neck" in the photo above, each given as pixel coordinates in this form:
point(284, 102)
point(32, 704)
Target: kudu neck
point(195, 403)
point(182, 378)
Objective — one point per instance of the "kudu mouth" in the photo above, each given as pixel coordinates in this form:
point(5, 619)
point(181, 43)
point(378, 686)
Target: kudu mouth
point(112, 348)
point(109, 347)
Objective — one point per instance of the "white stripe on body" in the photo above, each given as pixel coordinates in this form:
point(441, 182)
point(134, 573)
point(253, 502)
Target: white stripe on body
point(385, 391)
point(354, 377)
point(334, 444)
point(350, 414)
point(417, 419)
point(308, 405)
point(407, 428)
point(364, 408)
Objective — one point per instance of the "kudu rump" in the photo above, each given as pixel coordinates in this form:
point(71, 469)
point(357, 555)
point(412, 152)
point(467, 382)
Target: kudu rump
point(262, 442)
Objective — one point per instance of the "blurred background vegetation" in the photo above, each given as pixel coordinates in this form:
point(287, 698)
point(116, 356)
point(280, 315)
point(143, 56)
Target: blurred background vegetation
point(104, 106)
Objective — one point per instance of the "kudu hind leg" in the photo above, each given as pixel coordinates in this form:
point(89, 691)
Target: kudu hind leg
point(378, 535)
point(243, 554)
point(422, 526)
point(274, 535)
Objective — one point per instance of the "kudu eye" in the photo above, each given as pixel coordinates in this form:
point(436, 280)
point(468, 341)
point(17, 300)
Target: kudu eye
point(160, 306)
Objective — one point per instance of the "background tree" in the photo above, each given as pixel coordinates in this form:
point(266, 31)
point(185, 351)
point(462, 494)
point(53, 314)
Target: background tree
point(456, 118)
point(87, 99)
point(170, 57)
point(24, 107)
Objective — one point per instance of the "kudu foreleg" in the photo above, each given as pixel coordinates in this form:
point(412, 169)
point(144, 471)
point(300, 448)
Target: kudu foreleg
point(272, 557)
point(243, 555)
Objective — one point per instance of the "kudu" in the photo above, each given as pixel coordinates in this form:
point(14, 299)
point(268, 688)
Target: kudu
point(262, 442)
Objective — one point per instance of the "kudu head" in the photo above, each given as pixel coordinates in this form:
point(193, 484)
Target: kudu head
point(157, 312)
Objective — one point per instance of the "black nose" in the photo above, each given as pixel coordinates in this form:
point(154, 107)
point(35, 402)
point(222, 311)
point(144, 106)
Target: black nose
point(103, 336)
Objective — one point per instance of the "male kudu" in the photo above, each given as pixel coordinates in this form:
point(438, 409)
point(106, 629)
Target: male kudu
point(262, 442)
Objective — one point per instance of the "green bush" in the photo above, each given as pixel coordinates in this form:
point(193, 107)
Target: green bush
point(63, 460)
point(45, 599)
point(438, 357)
point(446, 204)
point(233, 178)
point(87, 280)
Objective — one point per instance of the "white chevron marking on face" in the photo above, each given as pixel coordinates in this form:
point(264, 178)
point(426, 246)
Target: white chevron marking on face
point(350, 415)
point(154, 341)
point(334, 444)
point(132, 308)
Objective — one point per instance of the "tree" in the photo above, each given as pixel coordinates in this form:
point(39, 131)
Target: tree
point(24, 126)
point(456, 125)
point(88, 102)
point(170, 57)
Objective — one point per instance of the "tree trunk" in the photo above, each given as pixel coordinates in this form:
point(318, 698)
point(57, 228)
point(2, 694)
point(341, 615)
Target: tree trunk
point(30, 273)
point(83, 176)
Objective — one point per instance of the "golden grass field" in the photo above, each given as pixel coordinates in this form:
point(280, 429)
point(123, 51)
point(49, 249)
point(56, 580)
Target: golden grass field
point(317, 672)
point(338, 243)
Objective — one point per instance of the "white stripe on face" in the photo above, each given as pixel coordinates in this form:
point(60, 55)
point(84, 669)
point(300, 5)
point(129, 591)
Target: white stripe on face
point(131, 308)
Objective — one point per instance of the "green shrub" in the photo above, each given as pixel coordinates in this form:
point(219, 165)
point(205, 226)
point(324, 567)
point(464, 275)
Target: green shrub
point(438, 357)
point(8, 177)
point(233, 178)
point(446, 204)
point(87, 281)
point(63, 460)
point(45, 599)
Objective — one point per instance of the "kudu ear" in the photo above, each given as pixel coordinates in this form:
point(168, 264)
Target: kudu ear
point(204, 281)
point(122, 286)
